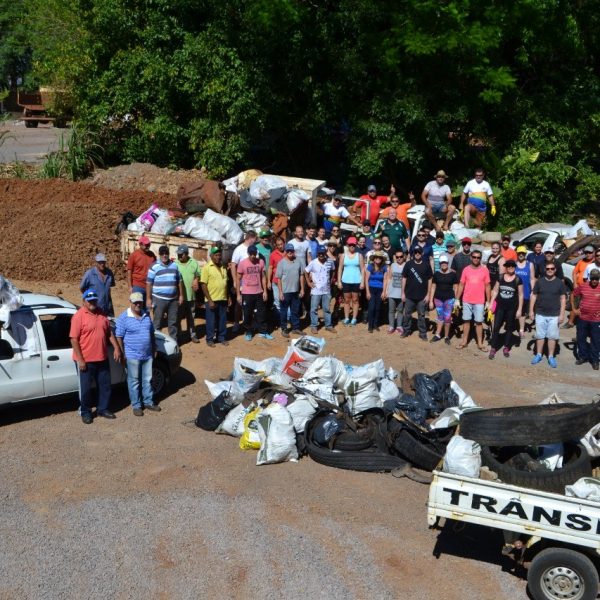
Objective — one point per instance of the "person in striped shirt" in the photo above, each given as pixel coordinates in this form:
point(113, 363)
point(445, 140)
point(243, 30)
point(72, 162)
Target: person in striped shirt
point(164, 291)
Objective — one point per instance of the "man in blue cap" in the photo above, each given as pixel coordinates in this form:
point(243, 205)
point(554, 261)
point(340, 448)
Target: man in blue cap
point(291, 289)
point(90, 333)
point(319, 273)
point(100, 278)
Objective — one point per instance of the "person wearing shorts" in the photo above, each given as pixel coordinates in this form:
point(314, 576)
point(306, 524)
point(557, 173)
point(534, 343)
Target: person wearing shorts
point(474, 290)
point(350, 278)
point(443, 296)
point(547, 306)
point(437, 198)
point(477, 194)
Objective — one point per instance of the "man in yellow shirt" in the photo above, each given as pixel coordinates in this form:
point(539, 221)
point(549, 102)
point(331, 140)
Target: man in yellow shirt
point(213, 280)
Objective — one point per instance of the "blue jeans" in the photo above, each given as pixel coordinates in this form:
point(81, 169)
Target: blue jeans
point(290, 300)
point(216, 318)
point(140, 372)
point(98, 372)
point(323, 301)
point(374, 307)
point(588, 350)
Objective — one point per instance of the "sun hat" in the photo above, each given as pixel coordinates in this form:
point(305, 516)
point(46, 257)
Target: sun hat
point(521, 249)
point(136, 297)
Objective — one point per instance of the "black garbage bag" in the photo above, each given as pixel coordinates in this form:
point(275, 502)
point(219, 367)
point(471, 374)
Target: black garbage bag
point(446, 396)
point(211, 415)
point(411, 407)
point(426, 393)
point(326, 428)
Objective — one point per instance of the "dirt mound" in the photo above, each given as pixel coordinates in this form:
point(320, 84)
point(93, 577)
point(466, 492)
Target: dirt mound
point(143, 176)
point(51, 229)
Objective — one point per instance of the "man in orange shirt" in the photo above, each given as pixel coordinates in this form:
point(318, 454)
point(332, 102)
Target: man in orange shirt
point(401, 209)
point(90, 333)
point(507, 252)
point(138, 263)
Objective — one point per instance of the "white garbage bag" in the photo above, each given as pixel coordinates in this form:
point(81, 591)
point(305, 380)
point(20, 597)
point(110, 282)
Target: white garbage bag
point(361, 389)
point(591, 441)
point(250, 220)
point(451, 415)
point(388, 390)
point(551, 455)
point(587, 488)
point(580, 228)
point(226, 226)
point(268, 187)
point(10, 296)
point(302, 410)
point(295, 198)
point(277, 435)
point(327, 370)
point(319, 391)
point(163, 222)
point(463, 457)
point(196, 228)
point(231, 184)
point(247, 373)
point(235, 392)
point(378, 365)
point(233, 423)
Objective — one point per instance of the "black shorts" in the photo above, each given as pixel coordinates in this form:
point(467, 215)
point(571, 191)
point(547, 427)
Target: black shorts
point(351, 288)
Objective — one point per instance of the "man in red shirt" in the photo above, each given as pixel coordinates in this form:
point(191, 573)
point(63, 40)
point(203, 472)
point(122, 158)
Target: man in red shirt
point(374, 204)
point(90, 333)
point(588, 325)
point(138, 263)
point(272, 280)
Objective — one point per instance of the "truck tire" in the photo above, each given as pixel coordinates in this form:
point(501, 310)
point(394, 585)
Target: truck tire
point(529, 425)
point(423, 450)
point(576, 464)
point(557, 573)
point(31, 124)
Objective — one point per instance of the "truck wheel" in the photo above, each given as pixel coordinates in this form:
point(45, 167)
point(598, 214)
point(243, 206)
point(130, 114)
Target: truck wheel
point(31, 124)
point(560, 573)
point(160, 377)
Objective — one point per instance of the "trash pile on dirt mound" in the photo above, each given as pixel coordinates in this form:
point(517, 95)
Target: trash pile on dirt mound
point(51, 229)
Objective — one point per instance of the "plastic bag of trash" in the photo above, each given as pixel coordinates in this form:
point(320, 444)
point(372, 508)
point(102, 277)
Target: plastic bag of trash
point(388, 390)
point(250, 220)
point(551, 455)
point(378, 365)
point(327, 370)
point(247, 373)
point(245, 178)
point(196, 228)
point(277, 436)
point(250, 439)
point(162, 223)
point(361, 390)
point(295, 198)
point(212, 414)
point(302, 410)
point(231, 184)
point(226, 226)
point(233, 424)
point(591, 441)
point(235, 392)
point(10, 296)
point(426, 391)
point(300, 354)
point(450, 416)
point(410, 406)
point(268, 187)
point(463, 457)
point(587, 488)
point(445, 396)
point(147, 218)
point(318, 391)
point(326, 428)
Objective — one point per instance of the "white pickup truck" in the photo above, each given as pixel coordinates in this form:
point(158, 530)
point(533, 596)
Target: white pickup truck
point(562, 534)
point(35, 353)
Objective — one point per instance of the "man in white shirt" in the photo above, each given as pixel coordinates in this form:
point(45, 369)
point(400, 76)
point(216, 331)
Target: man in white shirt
point(477, 193)
point(301, 245)
point(335, 212)
point(319, 273)
point(437, 198)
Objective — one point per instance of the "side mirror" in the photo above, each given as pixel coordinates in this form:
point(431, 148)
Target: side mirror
point(6, 351)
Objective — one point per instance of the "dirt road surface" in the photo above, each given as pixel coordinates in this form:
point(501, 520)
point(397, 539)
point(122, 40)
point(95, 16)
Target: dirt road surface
point(153, 507)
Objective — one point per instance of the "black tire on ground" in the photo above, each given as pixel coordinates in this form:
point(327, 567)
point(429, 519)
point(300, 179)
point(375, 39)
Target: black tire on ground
point(423, 451)
point(529, 425)
point(576, 464)
point(31, 124)
point(160, 377)
point(562, 573)
point(355, 440)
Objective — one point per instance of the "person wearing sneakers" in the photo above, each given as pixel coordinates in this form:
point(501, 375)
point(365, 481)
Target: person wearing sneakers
point(374, 279)
point(443, 295)
point(547, 306)
point(525, 271)
point(213, 279)
point(135, 335)
point(416, 291)
point(508, 295)
point(251, 292)
point(319, 273)
point(588, 325)
point(474, 291)
point(393, 292)
point(290, 275)
point(350, 279)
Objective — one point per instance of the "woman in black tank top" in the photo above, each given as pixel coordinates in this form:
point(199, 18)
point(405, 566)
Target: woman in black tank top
point(495, 264)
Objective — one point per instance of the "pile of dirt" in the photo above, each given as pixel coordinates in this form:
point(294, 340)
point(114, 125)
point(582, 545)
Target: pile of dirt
point(143, 176)
point(52, 229)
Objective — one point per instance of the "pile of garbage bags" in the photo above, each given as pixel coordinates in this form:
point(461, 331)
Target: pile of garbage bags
point(10, 299)
point(550, 446)
point(360, 417)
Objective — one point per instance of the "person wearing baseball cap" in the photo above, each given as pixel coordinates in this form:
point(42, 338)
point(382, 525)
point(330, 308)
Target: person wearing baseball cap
point(588, 324)
point(335, 213)
point(135, 335)
point(442, 298)
point(264, 245)
point(138, 265)
point(437, 198)
point(90, 334)
point(189, 269)
point(290, 276)
point(525, 271)
point(100, 278)
point(549, 258)
point(319, 275)
point(213, 279)
point(370, 204)
point(416, 288)
point(462, 258)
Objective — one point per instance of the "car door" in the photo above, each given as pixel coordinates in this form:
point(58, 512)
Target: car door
point(20, 359)
point(58, 368)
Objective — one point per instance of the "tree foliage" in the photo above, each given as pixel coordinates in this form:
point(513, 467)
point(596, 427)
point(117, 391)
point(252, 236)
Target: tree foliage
point(347, 90)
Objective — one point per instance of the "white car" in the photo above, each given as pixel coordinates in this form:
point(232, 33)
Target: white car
point(36, 356)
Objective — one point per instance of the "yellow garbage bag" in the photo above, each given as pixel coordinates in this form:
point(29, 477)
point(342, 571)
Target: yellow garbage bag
point(250, 439)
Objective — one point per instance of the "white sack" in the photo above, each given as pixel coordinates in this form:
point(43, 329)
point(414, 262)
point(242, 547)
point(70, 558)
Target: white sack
point(251, 220)
point(361, 389)
point(302, 410)
point(327, 370)
point(360, 371)
point(277, 435)
point(551, 455)
point(225, 225)
point(591, 441)
point(247, 373)
point(587, 488)
point(320, 391)
point(268, 187)
point(233, 389)
point(295, 198)
point(388, 390)
point(231, 184)
point(135, 226)
point(234, 421)
point(196, 228)
point(463, 457)
point(451, 415)
point(162, 223)
point(581, 227)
